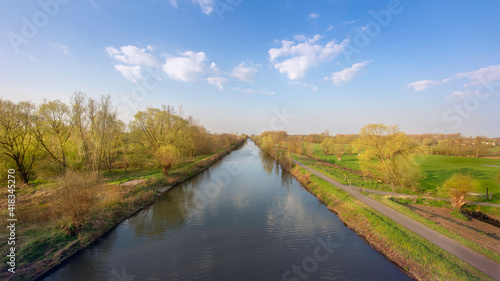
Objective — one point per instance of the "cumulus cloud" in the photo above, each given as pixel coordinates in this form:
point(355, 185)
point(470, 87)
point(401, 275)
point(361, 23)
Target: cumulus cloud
point(187, 67)
point(253, 91)
point(131, 72)
point(217, 81)
point(245, 72)
point(132, 55)
point(423, 85)
point(347, 74)
point(296, 57)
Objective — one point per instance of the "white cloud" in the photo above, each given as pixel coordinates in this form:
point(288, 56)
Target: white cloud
point(461, 94)
point(245, 72)
point(60, 47)
point(187, 67)
point(217, 81)
point(314, 15)
point(330, 27)
point(214, 68)
point(132, 73)
point(423, 85)
point(133, 55)
point(303, 53)
point(207, 6)
point(484, 75)
point(253, 91)
point(347, 74)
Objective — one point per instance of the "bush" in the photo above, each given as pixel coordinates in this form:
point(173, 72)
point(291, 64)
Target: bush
point(76, 197)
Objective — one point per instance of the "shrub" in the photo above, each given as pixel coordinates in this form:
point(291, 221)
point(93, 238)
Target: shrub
point(76, 197)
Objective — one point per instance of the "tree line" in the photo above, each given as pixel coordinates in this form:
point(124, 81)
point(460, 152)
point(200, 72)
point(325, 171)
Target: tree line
point(42, 141)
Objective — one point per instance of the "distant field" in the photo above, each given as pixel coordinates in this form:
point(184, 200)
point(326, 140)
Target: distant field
point(495, 151)
point(437, 169)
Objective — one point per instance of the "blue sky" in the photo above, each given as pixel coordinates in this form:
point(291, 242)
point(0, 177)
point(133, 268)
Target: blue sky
point(246, 66)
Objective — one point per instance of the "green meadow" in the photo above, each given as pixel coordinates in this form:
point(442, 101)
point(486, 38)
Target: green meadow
point(436, 169)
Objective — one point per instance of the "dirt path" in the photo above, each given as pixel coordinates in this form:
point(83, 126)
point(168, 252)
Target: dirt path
point(421, 196)
point(475, 230)
point(482, 263)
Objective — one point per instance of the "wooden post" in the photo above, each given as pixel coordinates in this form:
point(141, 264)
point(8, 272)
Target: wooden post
point(487, 194)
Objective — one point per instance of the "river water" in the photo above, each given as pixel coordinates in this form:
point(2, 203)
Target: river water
point(242, 219)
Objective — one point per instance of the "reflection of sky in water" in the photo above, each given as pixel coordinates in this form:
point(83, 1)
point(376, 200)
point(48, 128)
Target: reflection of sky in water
point(254, 225)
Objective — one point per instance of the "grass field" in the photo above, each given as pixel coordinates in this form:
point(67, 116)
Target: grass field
point(436, 169)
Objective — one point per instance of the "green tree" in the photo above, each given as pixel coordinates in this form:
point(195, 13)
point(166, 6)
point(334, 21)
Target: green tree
point(388, 153)
point(163, 132)
point(52, 130)
point(16, 136)
point(458, 186)
point(480, 146)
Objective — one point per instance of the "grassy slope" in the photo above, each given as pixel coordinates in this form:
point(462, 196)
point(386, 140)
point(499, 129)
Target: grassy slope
point(419, 257)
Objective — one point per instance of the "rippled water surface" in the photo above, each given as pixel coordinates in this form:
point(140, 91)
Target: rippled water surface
point(242, 219)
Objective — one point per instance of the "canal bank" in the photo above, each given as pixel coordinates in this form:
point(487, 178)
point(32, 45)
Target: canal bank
point(244, 218)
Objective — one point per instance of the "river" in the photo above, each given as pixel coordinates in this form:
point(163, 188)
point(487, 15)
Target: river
point(242, 219)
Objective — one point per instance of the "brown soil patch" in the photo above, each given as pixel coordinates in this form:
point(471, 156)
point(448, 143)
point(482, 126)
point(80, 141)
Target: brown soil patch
point(133, 182)
point(477, 231)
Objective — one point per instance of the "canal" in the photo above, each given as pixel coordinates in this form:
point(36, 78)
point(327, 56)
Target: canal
point(242, 219)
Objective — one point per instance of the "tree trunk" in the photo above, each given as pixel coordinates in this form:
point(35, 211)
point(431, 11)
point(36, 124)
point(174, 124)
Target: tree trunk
point(166, 169)
point(458, 201)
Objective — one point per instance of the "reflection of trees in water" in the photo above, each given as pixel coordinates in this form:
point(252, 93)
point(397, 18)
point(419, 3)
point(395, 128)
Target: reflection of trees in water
point(269, 165)
point(286, 179)
point(267, 162)
point(172, 211)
